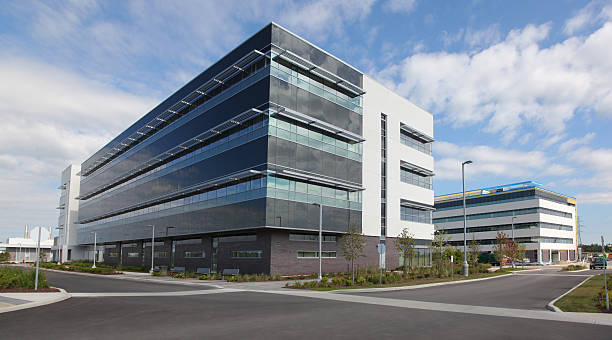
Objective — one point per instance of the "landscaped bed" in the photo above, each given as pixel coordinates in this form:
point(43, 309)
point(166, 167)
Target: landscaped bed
point(21, 280)
point(573, 267)
point(588, 297)
point(82, 267)
point(372, 278)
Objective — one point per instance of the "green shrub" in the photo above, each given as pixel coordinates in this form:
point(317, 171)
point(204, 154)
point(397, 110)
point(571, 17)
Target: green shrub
point(11, 278)
point(573, 267)
point(143, 269)
point(178, 275)
point(362, 281)
point(338, 281)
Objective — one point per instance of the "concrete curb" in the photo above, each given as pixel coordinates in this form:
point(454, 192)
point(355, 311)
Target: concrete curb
point(551, 305)
point(142, 279)
point(426, 285)
point(158, 294)
point(578, 271)
point(64, 295)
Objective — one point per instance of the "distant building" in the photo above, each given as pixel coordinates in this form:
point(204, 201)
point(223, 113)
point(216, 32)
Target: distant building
point(23, 249)
point(65, 244)
point(227, 168)
point(543, 220)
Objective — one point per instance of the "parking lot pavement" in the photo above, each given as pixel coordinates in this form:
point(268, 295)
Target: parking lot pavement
point(252, 315)
point(77, 283)
point(523, 291)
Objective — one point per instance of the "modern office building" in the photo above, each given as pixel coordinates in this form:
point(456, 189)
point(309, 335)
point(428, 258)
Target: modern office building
point(224, 172)
point(65, 245)
point(543, 220)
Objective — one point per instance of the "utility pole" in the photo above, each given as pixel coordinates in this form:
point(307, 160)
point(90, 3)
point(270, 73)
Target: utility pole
point(465, 264)
point(37, 260)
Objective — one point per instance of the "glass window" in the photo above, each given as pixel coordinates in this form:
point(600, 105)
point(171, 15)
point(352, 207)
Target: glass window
point(315, 254)
point(195, 254)
point(246, 254)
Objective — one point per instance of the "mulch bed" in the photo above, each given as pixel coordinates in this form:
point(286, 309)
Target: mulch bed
point(29, 290)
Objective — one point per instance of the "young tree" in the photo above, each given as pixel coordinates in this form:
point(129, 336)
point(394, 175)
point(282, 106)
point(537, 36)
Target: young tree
point(404, 244)
point(437, 247)
point(500, 249)
point(352, 247)
point(474, 251)
point(516, 251)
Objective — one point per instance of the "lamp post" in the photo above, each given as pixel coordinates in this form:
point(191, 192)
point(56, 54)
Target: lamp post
point(466, 267)
point(320, 235)
point(95, 250)
point(152, 247)
point(37, 260)
point(171, 247)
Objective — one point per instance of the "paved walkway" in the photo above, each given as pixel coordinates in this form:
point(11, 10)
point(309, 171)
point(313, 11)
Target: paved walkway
point(15, 301)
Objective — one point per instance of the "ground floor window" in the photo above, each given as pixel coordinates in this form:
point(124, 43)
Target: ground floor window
point(315, 254)
point(311, 237)
point(133, 254)
point(246, 254)
point(420, 258)
point(195, 254)
point(113, 254)
point(161, 254)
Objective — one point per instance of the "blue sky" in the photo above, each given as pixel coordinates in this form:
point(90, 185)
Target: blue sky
point(523, 88)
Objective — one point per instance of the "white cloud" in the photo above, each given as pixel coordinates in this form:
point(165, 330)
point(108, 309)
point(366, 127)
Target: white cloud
point(321, 19)
point(484, 37)
point(595, 197)
point(400, 6)
point(596, 165)
point(514, 83)
point(51, 118)
point(593, 13)
point(490, 161)
point(574, 142)
point(175, 37)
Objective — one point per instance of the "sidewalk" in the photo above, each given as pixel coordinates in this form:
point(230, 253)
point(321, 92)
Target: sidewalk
point(15, 301)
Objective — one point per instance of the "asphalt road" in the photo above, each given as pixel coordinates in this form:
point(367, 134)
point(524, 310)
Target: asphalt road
point(75, 283)
point(256, 315)
point(250, 315)
point(529, 290)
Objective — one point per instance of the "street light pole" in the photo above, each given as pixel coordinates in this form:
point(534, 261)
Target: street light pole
point(37, 260)
point(152, 247)
point(466, 267)
point(320, 236)
point(171, 246)
point(513, 218)
point(95, 250)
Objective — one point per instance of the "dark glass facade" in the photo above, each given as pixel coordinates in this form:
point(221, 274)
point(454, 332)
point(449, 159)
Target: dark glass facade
point(245, 147)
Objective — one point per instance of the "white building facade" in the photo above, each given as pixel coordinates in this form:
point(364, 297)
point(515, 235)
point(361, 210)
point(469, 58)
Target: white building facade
point(398, 169)
point(65, 245)
point(542, 220)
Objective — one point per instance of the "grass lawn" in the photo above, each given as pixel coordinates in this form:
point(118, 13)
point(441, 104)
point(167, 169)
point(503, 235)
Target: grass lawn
point(582, 299)
point(417, 281)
